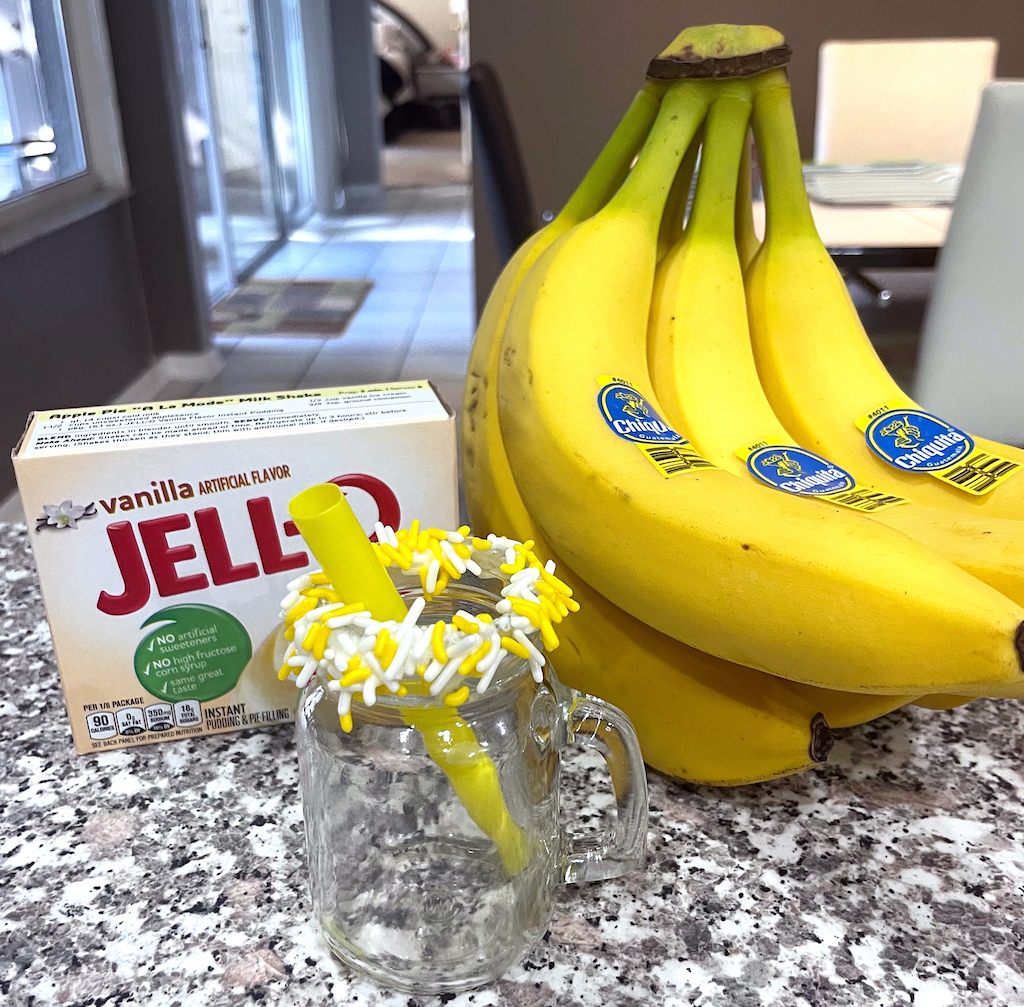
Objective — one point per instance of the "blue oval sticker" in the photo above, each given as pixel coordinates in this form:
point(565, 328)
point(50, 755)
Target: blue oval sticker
point(916, 441)
point(632, 417)
point(794, 470)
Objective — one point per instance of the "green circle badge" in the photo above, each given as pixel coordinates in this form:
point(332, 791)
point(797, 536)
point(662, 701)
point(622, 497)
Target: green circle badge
point(196, 652)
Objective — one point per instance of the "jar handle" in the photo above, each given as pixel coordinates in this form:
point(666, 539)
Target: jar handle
point(593, 723)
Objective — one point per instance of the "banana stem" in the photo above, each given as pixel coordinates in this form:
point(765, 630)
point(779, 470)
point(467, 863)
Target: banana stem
point(787, 211)
point(747, 242)
point(674, 215)
point(714, 207)
point(612, 165)
point(646, 188)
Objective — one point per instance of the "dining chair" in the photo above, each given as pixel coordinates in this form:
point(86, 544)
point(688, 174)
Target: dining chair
point(893, 100)
point(970, 366)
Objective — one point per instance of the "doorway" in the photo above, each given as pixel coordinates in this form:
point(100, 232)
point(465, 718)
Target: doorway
point(247, 128)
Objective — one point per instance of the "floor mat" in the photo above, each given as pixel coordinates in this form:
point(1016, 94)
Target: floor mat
point(290, 307)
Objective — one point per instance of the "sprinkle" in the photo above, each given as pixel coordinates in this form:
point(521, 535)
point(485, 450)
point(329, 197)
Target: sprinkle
point(319, 578)
point(465, 622)
point(492, 659)
point(473, 567)
point(528, 609)
point(474, 659)
point(414, 531)
point(457, 698)
point(537, 670)
point(432, 572)
point(284, 671)
point(393, 553)
point(464, 530)
point(300, 583)
point(320, 640)
point(535, 654)
point(481, 544)
point(322, 592)
point(513, 646)
point(360, 674)
point(437, 533)
point(455, 536)
point(381, 646)
point(485, 618)
point(346, 722)
point(504, 606)
point(370, 690)
point(453, 557)
point(547, 633)
point(289, 599)
point(299, 610)
point(302, 680)
point(437, 642)
point(423, 542)
point(462, 551)
point(307, 643)
point(389, 654)
point(378, 530)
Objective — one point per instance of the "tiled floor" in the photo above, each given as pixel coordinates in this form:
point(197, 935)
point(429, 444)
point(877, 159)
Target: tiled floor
point(415, 245)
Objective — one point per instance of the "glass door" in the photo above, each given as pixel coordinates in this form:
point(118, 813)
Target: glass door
point(247, 168)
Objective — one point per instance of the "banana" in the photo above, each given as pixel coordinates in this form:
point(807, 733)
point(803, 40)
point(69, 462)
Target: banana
point(481, 438)
point(805, 593)
point(698, 718)
point(703, 370)
point(818, 367)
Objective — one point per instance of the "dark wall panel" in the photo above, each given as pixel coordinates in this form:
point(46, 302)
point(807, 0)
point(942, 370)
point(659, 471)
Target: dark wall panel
point(73, 325)
point(570, 67)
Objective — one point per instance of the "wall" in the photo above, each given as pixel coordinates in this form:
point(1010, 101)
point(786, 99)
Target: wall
point(74, 329)
point(570, 67)
point(435, 18)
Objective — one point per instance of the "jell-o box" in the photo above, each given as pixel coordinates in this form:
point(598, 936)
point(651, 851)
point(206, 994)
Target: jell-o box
point(164, 546)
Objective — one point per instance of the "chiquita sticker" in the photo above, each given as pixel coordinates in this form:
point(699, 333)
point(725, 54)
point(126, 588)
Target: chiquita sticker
point(631, 417)
point(803, 473)
point(909, 439)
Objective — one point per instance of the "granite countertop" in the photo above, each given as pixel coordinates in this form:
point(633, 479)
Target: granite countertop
point(174, 874)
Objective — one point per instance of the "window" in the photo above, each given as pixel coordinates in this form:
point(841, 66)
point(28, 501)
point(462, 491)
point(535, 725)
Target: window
point(60, 150)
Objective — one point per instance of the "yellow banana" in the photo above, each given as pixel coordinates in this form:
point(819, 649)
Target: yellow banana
point(703, 370)
point(804, 593)
point(818, 367)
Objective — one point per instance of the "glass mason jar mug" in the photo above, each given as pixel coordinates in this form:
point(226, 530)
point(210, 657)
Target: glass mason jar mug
point(432, 833)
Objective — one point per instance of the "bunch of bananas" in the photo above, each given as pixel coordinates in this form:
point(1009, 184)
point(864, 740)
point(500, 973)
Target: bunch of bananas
point(669, 409)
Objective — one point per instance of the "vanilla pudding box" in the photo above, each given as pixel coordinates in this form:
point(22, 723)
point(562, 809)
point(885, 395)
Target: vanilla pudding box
point(164, 547)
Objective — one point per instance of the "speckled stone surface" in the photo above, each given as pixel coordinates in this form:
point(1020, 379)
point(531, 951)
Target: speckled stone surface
point(174, 874)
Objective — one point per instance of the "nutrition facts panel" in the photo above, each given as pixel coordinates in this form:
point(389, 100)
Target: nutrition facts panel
point(129, 721)
point(240, 415)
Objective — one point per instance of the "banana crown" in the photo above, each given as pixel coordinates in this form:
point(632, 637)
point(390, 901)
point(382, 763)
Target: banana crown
point(722, 41)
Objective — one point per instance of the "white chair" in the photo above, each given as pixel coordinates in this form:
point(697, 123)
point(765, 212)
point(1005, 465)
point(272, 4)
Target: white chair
point(913, 99)
point(971, 360)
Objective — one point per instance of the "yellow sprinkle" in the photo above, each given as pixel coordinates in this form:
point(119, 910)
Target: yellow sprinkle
point(484, 617)
point(461, 622)
point(437, 533)
point(527, 545)
point(531, 610)
point(421, 669)
point(289, 633)
point(380, 555)
point(346, 722)
point(355, 606)
point(446, 565)
point(307, 643)
point(381, 645)
point(442, 582)
point(570, 604)
point(393, 554)
point(320, 641)
point(360, 674)
point(437, 642)
point(414, 531)
point(481, 544)
point(464, 530)
point(515, 567)
point(457, 698)
point(319, 578)
point(462, 550)
point(514, 647)
point(389, 654)
point(475, 658)
point(558, 585)
point(284, 672)
point(423, 542)
point(423, 578)
point(402, 691)
point(549, 608)
point(545, 589)
point(435, 549)
point(548, 634)
point(326, 593)
point(299, 609)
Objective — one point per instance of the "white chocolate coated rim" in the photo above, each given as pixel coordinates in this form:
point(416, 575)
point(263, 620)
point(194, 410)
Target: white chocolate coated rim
point(356, 655)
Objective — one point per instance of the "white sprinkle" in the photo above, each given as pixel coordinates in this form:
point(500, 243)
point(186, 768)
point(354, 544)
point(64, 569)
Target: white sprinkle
point(370, 690)
point(504, 607)
point(328, 653)
point(300, 583)
point(493, 656)
point(343, 643)
point(391, 537)
point(333, 685)
point(451, 669)
point(422, 644)
point(433, 670)
point(465, 646)
point(473, 567)
point(501, 542)
point(469, 617)
point(374, 665)
point(432, 571)
point(510, 555)
point(536, 671)
point(289, 600)
point(378, 530)
point(344, 703)
point(520, 622)
point(486, 680)
point(296, 662)
point(535, 654)
point(454, 536)
point(308, 669)
point(528, 575)
point(452, 556)
point(550, 566)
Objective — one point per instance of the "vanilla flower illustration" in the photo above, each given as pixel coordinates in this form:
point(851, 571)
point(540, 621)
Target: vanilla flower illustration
point(65, 515)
